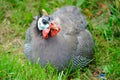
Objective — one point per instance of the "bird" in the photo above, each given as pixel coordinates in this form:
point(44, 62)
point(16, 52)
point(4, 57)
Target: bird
point(61, 39)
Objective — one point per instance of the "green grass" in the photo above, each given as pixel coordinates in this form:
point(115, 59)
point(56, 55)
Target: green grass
point(103, 22)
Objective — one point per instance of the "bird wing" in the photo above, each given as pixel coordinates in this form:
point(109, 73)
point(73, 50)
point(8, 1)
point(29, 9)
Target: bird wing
point(85, 44)
point(73, 26)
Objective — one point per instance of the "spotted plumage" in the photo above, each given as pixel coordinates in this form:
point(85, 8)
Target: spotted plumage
point(73, 42)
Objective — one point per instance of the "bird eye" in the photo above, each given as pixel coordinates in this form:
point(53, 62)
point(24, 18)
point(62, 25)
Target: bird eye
point(45, 21)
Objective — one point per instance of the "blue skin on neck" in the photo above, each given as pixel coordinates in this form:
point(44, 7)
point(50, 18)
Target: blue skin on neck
point(44, 22)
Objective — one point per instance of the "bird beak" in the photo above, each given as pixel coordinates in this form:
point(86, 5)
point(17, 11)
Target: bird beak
point(54, 29)
point(54, 26)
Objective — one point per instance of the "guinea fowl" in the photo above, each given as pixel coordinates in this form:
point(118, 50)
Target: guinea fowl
point(60, 38)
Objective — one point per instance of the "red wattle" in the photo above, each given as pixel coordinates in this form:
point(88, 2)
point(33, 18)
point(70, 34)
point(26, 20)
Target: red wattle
point(54, 32)
point(45, 33)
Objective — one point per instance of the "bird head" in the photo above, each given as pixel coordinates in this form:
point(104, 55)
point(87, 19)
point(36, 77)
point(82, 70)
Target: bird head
point(48, 26)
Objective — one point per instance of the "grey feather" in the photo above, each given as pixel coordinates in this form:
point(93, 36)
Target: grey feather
point(73, 42)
